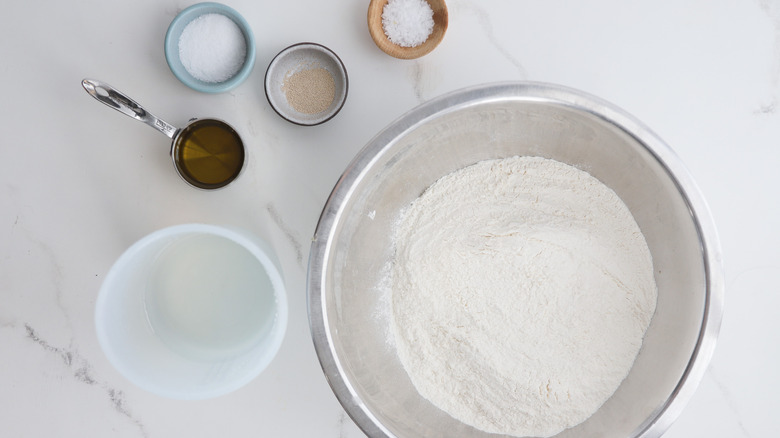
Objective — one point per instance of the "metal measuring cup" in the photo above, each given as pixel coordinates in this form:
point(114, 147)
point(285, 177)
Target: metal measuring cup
point(207, 153)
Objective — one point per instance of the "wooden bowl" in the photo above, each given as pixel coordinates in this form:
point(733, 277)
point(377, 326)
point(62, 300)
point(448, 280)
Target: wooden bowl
point(440, 21)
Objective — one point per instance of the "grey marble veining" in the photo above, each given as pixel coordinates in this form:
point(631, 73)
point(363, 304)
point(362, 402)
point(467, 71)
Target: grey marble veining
point(477, 11)
point(289, 234)
point(416, 71)
point(727, 395)
point(772, 10)
point(80, 370)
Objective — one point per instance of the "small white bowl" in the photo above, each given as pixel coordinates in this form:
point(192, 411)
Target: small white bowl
point(192, 311)
point(300, 57)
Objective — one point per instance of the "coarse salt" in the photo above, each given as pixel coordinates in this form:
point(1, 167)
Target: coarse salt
point(407, 23)
point(212, 48)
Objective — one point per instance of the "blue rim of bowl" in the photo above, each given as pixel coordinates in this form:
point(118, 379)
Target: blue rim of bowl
point(171, 47)
point(289, 49)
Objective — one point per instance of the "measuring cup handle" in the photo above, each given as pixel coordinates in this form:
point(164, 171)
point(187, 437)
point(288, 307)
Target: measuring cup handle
point(113, 98)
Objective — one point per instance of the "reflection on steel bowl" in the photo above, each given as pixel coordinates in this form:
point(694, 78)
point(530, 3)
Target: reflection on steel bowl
point(352, 249)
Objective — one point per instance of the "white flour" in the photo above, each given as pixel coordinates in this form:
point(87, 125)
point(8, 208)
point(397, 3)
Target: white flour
point(522, 289)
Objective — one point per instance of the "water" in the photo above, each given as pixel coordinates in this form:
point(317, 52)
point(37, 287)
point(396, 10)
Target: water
point(209, 299)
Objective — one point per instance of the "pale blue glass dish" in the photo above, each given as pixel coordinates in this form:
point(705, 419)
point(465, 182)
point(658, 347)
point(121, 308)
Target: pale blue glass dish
point(172, 47)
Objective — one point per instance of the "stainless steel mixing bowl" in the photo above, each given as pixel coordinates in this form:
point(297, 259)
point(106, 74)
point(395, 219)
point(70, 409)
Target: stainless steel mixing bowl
point(348, 292)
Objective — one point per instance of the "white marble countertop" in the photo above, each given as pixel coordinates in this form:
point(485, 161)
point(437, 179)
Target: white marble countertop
point(79, 182)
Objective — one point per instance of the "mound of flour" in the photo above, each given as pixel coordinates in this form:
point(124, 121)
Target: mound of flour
point(521, 291)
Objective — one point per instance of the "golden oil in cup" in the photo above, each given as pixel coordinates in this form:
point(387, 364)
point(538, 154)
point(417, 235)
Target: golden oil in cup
point(208, 153)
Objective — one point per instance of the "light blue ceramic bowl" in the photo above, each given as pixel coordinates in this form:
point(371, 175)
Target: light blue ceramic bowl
point(172, 47)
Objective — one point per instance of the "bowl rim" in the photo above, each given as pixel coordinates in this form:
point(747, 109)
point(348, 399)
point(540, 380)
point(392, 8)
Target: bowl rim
point(660, 420)
point(171, 47)
point(298, 46)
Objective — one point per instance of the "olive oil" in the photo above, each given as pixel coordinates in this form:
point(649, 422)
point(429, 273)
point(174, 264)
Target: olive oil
point(208, 153)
